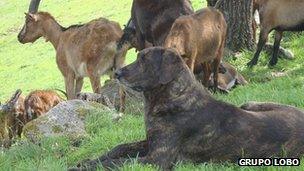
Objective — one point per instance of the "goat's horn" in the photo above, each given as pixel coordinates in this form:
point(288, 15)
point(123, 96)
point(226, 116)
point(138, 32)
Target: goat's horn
point(34, 5)
point(130, 23)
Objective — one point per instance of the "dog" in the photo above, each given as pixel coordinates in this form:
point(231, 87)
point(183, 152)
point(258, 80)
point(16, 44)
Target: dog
point(185, 123)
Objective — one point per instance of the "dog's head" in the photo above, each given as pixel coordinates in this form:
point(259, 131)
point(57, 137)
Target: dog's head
point(153, 67)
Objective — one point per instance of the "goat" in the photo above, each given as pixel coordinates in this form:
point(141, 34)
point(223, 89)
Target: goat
point(129, 38)
point(278, 15)
point(39, 102)
point(88, 50)
point(200, 38)
point(19, 110)
point(12, 118)
point(153, 19)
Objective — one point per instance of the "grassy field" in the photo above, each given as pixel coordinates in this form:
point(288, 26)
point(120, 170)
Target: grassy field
point(32, 66)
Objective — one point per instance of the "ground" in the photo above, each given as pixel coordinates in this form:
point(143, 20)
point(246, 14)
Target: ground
point(32, 66)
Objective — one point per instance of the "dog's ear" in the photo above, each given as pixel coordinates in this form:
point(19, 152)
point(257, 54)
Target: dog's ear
point(171, 65)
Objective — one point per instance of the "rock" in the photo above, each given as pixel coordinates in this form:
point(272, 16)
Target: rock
point(66, 119)
point(283, 53)
point(110, 97)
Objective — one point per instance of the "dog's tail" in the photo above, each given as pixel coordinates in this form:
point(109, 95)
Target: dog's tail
point(63, 92)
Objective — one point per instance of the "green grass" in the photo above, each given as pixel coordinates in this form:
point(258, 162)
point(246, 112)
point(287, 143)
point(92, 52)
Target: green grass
point(32, 66)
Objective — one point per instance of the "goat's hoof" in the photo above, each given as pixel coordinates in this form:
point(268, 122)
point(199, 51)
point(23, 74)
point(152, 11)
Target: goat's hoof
point(251, 63)
point(272, 63)
point(74, 169)
point(117, 117)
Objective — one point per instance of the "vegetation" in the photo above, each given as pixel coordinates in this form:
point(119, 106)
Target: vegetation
point(32, 66)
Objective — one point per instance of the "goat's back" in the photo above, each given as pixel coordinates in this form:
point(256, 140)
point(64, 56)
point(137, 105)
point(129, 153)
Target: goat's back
point(90, 49)
point(282, 14)
point(41, 101)
point(203, 32)
point(91, 38)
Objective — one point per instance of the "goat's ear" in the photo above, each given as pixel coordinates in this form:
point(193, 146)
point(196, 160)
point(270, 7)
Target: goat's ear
point(32, 17)
point(171, 65)
point(15, 97)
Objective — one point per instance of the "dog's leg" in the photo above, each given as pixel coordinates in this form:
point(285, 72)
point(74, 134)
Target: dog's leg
point(117, 156)
point(163, 148)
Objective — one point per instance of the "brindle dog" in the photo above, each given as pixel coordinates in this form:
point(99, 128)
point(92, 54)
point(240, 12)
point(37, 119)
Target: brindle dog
point(185, 123)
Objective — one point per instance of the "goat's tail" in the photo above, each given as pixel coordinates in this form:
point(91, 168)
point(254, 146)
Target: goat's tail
point(63, 92)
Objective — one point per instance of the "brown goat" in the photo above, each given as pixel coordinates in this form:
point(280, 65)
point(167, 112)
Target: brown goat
point(88, 50)
point(39, 102)
point(200, 38)
point(278, 15)
point(19, 110)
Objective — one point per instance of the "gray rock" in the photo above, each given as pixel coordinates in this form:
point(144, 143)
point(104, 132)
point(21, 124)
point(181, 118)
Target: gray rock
point(66, 119)
point(283, 53)
point(110, 97)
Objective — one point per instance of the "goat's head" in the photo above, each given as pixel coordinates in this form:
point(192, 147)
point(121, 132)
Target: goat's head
point(32, 29)
point(9, 118)
point(129, 36)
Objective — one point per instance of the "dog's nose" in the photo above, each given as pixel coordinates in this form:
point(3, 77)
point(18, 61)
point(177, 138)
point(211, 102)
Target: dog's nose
point(118, 74)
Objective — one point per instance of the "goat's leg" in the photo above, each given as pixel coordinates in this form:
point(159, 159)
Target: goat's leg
point(122, 99)
point(190, 61)
point(215, 70)
point(207, 74)
point(261, 44)
point(79, 84)
point(141, 41)
point(276, 47)
point(95, 82)
point(69, 80)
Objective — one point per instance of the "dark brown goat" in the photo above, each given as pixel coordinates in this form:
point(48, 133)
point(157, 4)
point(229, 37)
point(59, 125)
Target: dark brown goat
point(19, 110)
point(153, 19)
point(278, 15)
point(200, 39)
point(184, 123)
point(129, 38)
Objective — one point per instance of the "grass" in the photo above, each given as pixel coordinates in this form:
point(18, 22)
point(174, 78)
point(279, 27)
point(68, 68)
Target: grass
point(32, 66)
